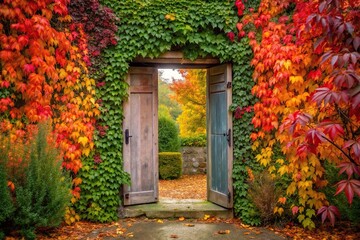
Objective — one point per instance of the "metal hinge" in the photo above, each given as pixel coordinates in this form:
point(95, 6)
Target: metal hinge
point(229, 197)
point(126, 195)
point(229, 84)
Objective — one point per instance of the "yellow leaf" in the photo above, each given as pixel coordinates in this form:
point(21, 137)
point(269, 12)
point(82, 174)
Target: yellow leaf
point(287, 64)
point(160, 221)
point(86, 151)
point(291, 189)
point(69, 68)
point(170, 17)
point(280, 161)
point(62, 74)
point(75, 134)
point(271, 169)
point(181, 218)
point(282, 170)
point(206, 217)
point(275, 209)
point(83, 140)
point(296, 79)
point(255, 145)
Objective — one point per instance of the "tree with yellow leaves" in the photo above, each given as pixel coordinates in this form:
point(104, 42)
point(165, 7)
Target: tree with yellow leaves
point(190, 93)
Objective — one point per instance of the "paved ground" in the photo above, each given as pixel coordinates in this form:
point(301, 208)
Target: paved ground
point(145, 229)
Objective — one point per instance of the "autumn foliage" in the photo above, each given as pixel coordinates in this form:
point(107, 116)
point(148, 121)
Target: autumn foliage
point(190, 93)
point(307, 83)
point(44, 76)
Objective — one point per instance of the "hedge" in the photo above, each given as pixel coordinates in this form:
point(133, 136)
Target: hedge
point(170, 165)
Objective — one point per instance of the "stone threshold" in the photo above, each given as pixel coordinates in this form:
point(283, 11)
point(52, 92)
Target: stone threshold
point(175, 208)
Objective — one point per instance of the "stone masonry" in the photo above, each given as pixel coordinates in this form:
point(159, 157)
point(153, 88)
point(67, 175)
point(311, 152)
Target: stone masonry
point(194, 160)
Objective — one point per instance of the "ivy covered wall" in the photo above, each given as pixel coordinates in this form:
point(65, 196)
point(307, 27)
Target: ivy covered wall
point(148, 29)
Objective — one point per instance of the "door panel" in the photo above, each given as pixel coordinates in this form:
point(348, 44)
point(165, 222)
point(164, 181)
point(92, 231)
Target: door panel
point(219, 126)
point(140, 149)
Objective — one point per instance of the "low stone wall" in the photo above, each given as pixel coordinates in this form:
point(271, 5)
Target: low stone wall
point(194, 160)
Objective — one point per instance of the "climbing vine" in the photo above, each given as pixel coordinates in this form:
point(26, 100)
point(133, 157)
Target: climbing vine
point(44, 75)
point(149, 28)
point(307, 83)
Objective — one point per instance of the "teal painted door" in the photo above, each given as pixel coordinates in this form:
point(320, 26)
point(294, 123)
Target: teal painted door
point(219, 127)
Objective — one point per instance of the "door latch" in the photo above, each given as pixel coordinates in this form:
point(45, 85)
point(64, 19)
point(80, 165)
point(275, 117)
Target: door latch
point(228, 137)
point(127, 136)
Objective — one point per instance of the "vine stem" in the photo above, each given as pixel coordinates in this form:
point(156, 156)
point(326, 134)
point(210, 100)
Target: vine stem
point(339, 148)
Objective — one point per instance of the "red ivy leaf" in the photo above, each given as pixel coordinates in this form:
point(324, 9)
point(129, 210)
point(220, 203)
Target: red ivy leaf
point(328, 96)
point(305, 148)
point(349, 187)
point(332, 129)
point(355, 94)
point(328, 212)
point(356, 43)
point(231, 36)
point(295, 210)
point(314, 136)
point(355, 146)
point(293, 119)
point(349, 168)
point(29, 68)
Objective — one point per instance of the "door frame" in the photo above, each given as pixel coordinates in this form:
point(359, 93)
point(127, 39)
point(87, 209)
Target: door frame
point(176, 60)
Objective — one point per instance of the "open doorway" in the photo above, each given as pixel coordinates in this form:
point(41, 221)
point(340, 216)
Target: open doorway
point(182, 107)
point(140, 126)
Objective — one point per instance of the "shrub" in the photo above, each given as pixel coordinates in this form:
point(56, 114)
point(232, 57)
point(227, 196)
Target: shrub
point(7, 208)
point(196, 141)
point(348, 212)
point(42, 190)
point(264, 194)
point(168, 135)
point(170, 165)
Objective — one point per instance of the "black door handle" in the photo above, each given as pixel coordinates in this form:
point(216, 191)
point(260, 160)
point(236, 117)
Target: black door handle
point(228, 137)
point(127, 136)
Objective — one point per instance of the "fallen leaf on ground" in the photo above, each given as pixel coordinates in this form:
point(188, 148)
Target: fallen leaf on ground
point(120, 231)
point(244, 225)
point(174, 236)
point(186, 187)
point(224, 231)
point(160, 221)
point(181, 218)
point(189, 224)
point(206, 217)
point(247, 233)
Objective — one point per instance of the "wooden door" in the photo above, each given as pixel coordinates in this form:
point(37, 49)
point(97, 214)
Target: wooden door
point(140, 148)
point(219, 127)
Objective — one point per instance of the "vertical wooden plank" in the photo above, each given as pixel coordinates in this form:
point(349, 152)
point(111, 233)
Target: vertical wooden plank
point(141, 154)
